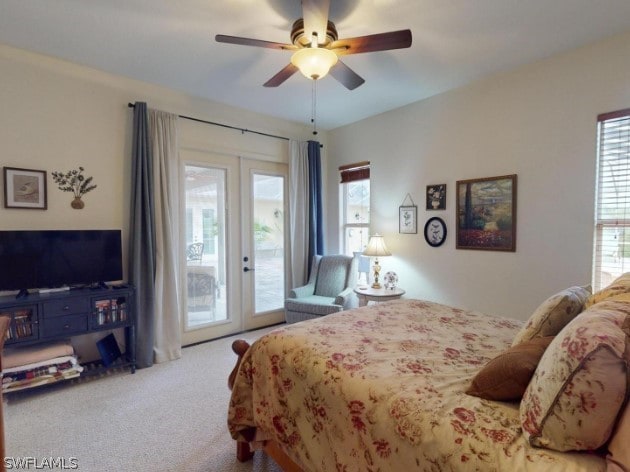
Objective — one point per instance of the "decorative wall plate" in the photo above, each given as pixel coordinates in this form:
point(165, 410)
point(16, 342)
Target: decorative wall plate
point(435, 231)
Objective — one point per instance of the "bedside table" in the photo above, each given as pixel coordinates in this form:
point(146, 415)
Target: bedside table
point(370, 294)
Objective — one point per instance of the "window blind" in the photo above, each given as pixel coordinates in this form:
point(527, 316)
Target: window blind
point(354, 172)
point(612, 208)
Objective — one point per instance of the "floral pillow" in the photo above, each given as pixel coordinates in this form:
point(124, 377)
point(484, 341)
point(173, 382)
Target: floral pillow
point(619, 447)
point(580, 384)
point(553, 314)
point(618, 286)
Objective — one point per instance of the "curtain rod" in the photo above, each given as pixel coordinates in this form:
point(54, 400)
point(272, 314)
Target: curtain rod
point(242, 130)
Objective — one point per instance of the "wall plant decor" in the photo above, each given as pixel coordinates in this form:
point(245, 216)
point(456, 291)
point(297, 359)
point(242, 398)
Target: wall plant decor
point(407, 216)
point(74, 181)
point(486, 213)
point(24, 188)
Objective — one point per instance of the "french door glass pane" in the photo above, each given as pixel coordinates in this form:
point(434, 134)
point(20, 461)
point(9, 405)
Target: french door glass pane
point(209, 230)
point(205, 246)
point(268, 227)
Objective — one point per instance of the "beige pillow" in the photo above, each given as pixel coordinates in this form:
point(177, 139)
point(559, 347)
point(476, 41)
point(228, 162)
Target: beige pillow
point(618, 286)
point(619, 446)
point(506, 376)
point(580, 384)
point(553, 314)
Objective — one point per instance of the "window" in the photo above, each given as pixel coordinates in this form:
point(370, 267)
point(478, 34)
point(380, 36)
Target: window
point(612, 207)
point(355, 191)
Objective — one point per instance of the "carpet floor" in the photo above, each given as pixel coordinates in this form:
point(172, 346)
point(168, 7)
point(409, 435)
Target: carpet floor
point(170, 417)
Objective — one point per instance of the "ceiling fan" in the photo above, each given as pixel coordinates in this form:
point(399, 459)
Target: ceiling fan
point(317, 47)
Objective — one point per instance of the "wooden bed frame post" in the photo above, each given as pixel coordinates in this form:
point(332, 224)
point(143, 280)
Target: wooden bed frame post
point(240, 347)
point(243, 452)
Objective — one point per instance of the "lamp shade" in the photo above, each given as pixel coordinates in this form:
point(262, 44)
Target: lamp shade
point(376, 247)
point(315, 62)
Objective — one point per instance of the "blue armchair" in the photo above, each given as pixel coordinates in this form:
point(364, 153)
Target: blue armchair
point(330, 289)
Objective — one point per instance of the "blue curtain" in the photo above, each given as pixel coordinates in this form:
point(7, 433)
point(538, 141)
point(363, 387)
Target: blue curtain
point(142, 236)
point(316, 227)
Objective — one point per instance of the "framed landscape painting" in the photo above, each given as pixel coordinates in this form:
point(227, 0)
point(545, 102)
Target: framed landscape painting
point(486, 213)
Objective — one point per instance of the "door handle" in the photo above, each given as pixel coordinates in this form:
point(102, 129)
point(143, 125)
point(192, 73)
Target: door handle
point(247, 269)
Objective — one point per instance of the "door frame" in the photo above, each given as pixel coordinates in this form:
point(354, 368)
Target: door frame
point(238, 318)
point(233, 323)
point(249, 168)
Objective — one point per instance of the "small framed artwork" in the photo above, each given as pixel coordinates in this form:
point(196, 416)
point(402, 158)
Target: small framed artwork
point(407, 219)
point(24, 188)
point(436, 197)
point(486, 213)
point(435, 231)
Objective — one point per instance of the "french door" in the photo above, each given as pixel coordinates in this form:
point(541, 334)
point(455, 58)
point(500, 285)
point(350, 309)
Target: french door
point(234, 244)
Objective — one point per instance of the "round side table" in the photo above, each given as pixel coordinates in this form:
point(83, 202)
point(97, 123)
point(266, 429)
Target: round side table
point(369, 294)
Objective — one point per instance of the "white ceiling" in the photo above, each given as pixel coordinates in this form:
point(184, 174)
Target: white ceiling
point(171, 43)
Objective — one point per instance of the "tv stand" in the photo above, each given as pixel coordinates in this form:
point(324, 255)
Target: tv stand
point(44, 317)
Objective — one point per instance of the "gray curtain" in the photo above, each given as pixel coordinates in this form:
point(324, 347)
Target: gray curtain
point(298, 213)
point(142, 236)
point(305, 205)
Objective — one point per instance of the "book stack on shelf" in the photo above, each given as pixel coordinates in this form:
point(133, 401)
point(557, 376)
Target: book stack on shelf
point(22, 326)
point(38, 365)
point(111, 311)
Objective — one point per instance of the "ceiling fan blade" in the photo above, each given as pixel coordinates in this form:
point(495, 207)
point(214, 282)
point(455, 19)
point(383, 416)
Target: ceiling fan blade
point(348, 78)
point(222, 38)
point(281, 76)
point(315, 14)
point(374, 42)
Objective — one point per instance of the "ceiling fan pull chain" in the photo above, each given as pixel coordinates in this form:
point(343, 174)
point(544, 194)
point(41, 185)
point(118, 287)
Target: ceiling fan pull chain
point(314, 107)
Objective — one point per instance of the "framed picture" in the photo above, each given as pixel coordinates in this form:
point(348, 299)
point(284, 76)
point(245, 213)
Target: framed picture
point(407, 219)
point(436, 197)
point(435, 231)
point(24, 188)
point(486, 213)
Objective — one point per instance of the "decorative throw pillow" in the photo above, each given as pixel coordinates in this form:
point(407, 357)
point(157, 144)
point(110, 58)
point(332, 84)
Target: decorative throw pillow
point(618, 286)
point(580, 384)
point(506, 376)
point(553, 314)
point(619, 446)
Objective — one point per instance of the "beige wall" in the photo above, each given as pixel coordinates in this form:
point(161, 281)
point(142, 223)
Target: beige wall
point(538, 122)
point(56, 116)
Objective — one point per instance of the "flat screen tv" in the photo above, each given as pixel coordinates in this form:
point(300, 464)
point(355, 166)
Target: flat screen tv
point(51, 259)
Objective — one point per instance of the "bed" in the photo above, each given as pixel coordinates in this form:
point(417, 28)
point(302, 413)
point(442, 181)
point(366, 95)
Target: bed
point(383, 388)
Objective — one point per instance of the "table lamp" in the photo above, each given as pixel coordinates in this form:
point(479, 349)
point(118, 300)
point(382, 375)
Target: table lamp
point(376, 248)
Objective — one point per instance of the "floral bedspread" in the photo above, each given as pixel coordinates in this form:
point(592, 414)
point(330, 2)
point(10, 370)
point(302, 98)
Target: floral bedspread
point(381, 388)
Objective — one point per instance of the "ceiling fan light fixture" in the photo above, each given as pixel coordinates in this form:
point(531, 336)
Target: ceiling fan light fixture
point(314, 63)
